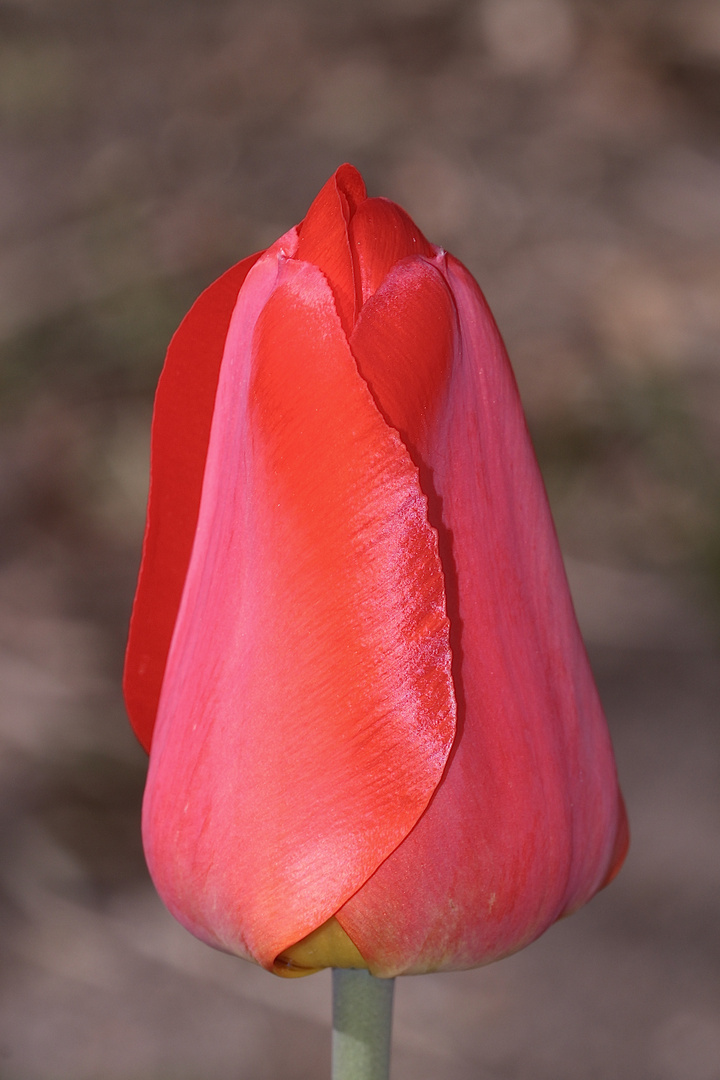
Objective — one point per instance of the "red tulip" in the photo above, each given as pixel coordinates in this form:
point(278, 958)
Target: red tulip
point(353, 646)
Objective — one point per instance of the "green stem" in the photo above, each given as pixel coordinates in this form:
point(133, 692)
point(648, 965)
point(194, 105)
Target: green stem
point(362, 1025)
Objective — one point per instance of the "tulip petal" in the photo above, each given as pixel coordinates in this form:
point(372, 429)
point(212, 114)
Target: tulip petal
point(324, 239)
point(181, 429)
point(527, 821)
point(404, 344)
point(308, 708)
point(381, 234)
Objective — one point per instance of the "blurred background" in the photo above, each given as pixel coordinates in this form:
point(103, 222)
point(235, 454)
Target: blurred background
point(569, 152)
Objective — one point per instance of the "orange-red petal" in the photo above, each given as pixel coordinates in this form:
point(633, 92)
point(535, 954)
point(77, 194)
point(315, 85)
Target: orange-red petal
point(324, 239)
point(381, 234)
point(404, 343)
point(308, 708)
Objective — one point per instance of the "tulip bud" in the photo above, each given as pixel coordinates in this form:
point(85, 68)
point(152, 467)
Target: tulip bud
point(374, 735)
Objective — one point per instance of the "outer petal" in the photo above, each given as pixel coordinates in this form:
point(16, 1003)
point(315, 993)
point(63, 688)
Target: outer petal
point(527, 820)
point(184, 405)
point(308, 708)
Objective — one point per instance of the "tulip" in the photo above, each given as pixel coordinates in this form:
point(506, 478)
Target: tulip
point(375, 739)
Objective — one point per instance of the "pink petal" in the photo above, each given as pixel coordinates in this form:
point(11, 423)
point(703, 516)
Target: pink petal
point(308, 707)
point(526, 823)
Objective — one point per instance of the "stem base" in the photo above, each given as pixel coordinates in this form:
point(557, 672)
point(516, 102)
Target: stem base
point(362, 1025)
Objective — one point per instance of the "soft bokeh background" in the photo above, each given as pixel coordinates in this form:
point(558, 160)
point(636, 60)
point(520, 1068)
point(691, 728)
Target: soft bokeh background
point(569, 153)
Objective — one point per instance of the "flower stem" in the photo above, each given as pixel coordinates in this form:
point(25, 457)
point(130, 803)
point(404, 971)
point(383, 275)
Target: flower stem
point(362, 1025)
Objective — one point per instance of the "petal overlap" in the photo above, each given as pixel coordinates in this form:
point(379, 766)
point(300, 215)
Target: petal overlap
point(523, 826)
point(184, 403)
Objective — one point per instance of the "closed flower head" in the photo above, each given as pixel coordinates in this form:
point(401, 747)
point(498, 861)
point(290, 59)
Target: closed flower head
point(375, 740)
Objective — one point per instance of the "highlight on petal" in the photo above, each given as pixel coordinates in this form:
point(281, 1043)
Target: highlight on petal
point(525, 823)
point(308, 709)
point(184, 405)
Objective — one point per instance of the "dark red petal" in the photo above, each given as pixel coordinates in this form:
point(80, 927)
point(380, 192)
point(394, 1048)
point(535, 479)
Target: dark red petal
point(324, 238)
point(381, 234)
point(308, 709)
point(181, 429)
point(525, 823)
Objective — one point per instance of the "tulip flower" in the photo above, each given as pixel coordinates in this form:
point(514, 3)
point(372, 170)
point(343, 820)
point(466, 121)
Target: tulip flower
point(375, 739)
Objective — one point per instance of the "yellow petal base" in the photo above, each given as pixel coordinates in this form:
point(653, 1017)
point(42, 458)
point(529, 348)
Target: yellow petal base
point(328, 946)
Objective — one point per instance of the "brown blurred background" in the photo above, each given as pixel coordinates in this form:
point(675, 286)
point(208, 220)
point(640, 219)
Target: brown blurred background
point(569, 152)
